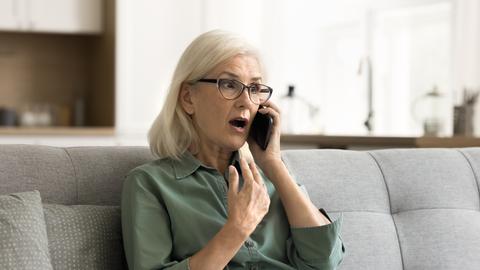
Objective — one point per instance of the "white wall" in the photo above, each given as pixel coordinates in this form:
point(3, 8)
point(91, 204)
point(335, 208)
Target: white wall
point(151, 35)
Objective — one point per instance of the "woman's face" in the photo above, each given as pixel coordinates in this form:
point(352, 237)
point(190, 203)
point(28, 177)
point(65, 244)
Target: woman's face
point(222, 123)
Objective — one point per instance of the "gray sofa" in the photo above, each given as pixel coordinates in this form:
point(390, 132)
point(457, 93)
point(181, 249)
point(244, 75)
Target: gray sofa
point(402, 208)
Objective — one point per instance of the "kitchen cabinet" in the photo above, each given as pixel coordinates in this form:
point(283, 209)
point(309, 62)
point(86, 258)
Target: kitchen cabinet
point(70, 76)
point(52, 16)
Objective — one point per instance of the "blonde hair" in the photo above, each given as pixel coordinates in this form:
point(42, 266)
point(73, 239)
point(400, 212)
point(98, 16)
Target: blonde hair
point(172, 132)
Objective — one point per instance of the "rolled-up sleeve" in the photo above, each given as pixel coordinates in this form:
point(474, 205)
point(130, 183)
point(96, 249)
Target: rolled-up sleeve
point(146, 227)
point(316, 247)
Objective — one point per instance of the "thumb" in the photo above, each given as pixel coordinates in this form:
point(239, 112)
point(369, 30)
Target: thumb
point(232, 180)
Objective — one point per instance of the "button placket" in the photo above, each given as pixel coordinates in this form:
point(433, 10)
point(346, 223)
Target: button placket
point(224, 189)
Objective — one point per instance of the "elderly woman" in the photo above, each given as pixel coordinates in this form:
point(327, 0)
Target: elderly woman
point(204, 204)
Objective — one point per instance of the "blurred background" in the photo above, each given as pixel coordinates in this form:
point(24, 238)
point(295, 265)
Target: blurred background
point(95, 72)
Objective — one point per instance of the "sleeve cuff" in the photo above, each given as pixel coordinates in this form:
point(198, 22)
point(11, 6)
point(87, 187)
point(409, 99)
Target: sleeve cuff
point(182, 265)
point(319, 243)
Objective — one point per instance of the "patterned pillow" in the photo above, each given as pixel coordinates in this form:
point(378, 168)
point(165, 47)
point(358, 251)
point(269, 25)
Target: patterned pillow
point(84, 236)
point(23, 237)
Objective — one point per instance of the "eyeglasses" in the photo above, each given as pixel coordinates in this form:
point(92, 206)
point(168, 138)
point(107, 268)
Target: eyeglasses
point(231, 89)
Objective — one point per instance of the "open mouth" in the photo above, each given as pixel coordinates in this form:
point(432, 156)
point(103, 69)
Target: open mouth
point(239, 123)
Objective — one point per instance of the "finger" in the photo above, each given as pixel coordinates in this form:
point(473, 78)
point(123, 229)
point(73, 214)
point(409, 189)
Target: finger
point(270, 111)
point(232, 180)
point(245, 153)
point(270, 104)
point(246, 173)
point(256, 175)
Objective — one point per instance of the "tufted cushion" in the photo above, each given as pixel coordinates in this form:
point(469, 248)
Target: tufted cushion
point(23, 238)
point(84, 236)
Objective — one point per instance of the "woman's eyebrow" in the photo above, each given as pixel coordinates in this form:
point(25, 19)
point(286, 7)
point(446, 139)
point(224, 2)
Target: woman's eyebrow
point(230, 74)
point(235, 76)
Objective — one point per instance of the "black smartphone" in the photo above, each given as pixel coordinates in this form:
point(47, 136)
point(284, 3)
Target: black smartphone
point(261, 129)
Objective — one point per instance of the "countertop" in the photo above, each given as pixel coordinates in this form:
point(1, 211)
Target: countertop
point(58, 131)
point(346, 142)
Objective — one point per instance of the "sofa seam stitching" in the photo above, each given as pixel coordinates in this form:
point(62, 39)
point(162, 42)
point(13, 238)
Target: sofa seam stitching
point(475, 177)
point(401, 212)
point(74, 173)
point(390, 204)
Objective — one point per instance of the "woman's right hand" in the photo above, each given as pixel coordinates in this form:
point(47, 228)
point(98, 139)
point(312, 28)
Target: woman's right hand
point(247, 207)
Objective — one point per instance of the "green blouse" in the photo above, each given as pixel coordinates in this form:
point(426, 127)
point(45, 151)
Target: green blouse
point(171, 209)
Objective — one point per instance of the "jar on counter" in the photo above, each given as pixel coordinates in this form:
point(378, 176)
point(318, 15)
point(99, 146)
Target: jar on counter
point(299, 116)
point(8, 117)
point(36, 115)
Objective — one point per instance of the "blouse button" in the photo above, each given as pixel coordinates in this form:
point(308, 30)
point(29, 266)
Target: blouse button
point(249, 244)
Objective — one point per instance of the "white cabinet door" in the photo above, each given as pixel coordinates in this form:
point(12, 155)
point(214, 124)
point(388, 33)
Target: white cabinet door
point(68, 16)
point(9, 14)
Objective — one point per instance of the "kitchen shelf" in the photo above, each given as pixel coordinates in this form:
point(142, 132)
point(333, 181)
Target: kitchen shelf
point(58, 131)
point(71, 74)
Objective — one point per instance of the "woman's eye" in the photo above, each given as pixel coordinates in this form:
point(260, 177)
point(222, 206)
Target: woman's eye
point(254, 88)
point(228, 84)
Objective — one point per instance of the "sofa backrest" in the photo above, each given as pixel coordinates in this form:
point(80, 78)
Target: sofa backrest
point(70, 175)
point(402, 208)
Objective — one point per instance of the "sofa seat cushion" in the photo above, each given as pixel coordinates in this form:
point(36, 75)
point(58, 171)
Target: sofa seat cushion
point(84, 236)
point(23, 236)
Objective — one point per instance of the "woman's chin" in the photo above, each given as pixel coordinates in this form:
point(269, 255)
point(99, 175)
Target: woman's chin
point(237, 144)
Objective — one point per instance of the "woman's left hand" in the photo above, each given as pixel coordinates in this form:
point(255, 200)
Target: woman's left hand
point(272, 154)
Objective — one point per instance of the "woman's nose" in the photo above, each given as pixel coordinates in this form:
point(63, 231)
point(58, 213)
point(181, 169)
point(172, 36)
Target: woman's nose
point(244, 99)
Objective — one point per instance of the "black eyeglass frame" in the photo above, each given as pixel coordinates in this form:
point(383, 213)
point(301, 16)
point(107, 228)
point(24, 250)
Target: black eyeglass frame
point(249, 87)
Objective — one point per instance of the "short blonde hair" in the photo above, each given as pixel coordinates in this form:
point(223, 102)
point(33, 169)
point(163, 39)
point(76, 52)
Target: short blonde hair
point(172, 132)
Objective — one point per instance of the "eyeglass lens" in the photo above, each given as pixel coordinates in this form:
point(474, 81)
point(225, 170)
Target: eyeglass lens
point(231, 89)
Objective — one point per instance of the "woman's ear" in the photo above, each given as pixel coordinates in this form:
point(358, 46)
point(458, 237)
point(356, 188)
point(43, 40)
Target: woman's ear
point(186, 98)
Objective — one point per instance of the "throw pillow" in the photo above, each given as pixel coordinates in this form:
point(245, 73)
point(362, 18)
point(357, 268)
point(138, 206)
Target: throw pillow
point(23, 236)
point(84, 236)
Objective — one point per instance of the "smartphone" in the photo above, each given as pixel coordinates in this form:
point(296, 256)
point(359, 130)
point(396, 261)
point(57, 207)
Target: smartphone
point(261, 129)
